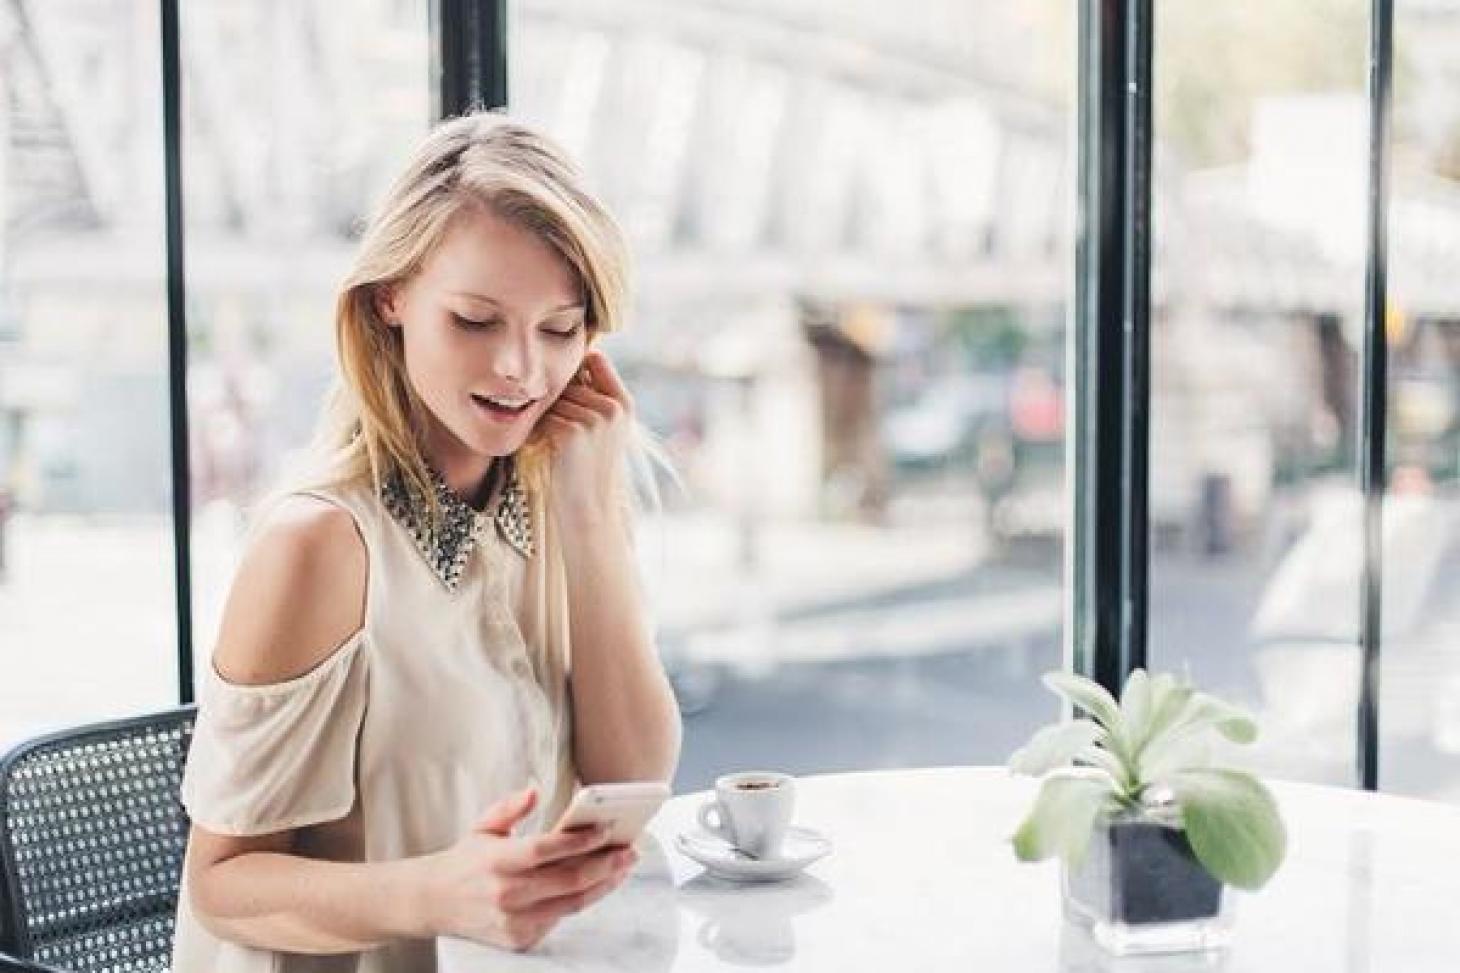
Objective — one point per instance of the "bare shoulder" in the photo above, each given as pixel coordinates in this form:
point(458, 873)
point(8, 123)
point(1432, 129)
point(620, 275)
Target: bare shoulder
point(298, 594)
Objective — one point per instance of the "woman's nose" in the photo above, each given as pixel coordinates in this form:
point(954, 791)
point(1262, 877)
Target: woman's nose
point(514, 360)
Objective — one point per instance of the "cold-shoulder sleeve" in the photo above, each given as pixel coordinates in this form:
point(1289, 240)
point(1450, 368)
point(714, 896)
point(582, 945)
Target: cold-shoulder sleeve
point(277, 756)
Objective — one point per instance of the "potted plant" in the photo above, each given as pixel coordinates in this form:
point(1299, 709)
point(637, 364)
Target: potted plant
point(1150, 830)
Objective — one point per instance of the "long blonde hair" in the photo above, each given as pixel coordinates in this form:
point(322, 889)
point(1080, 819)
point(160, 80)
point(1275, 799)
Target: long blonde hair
point(373, 421)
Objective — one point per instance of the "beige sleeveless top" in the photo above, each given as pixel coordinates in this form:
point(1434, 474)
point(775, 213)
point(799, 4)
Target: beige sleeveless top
point(452, 695)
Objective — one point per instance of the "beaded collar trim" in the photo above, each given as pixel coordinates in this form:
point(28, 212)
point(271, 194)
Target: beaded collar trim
point(447, 551)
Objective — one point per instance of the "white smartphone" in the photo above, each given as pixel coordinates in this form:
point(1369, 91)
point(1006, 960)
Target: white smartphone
point(625, 808)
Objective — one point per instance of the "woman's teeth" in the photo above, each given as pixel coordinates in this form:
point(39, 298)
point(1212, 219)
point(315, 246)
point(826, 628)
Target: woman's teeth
point(502, 405)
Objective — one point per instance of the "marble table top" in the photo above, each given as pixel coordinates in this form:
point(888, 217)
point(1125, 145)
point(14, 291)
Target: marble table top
point(923, 879)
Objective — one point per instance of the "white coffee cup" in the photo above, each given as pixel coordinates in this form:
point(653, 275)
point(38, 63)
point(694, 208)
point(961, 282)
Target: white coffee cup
point(751, 810)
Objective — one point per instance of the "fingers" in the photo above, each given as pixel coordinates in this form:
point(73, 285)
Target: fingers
point(605, 377)
point(568, 877)
point(599, 403)
point(556, 846)
point(549, 911)
point(502, 816)
point(574, 412)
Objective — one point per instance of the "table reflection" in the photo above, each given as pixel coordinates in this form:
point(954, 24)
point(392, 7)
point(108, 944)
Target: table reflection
point(751, 925)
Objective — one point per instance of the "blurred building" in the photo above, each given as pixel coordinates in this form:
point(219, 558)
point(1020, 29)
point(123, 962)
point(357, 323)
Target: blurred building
point(787, 171)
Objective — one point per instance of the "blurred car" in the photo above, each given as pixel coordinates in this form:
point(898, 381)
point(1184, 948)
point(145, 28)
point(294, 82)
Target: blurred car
point(941, 428)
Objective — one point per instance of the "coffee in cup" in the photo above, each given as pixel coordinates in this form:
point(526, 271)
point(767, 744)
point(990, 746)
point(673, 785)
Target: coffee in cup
point(751, 810)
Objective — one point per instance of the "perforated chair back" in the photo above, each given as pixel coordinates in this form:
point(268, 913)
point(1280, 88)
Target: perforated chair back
point(92, 834)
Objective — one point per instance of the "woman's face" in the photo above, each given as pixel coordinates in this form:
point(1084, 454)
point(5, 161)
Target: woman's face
point(494, 329)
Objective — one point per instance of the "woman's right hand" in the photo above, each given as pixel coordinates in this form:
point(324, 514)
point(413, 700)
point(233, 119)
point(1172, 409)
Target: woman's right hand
point(505, 891)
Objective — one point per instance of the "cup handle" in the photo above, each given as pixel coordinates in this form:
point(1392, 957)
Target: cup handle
point(717, 825)
point(709, 934)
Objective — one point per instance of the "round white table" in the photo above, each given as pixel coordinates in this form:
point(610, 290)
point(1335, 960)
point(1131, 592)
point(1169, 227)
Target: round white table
point(922, 878)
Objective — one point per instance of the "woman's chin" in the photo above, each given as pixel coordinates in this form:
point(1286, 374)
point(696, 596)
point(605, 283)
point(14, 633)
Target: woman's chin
point(483, 444)
point(490, 446)
point(495, 450)
point(491, 435)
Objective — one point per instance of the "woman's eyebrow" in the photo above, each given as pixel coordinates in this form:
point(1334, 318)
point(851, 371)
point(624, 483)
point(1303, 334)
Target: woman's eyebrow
point(471, 295)
point(570, 306)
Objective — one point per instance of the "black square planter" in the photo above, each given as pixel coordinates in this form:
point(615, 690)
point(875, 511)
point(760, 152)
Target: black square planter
point(1143, 890)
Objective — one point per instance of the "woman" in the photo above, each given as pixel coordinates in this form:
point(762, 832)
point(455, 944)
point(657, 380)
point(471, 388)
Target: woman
point(388, 730)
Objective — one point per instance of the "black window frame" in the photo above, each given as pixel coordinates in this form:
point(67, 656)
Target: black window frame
point(1110, 552)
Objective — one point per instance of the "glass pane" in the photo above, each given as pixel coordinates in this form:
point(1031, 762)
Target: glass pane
point(1257, 317)
point(87, 625)
point(1420, 675)
point(297, 119)
point(852, 231)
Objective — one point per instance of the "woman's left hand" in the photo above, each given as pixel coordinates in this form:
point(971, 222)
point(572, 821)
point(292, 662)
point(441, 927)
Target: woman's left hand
point(588, 430)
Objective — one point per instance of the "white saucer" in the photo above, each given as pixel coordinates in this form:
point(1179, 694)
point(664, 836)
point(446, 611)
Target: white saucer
point(801, 847)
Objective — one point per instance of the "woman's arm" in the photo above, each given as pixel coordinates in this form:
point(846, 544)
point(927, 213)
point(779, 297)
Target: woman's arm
point(626, 722)
point(489, 887)
point(254, 891)
point(302, 586)
point(298, 595)
point(625, 718)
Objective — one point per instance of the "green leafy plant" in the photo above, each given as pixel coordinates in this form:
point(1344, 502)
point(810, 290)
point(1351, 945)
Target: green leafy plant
point(1149, 756)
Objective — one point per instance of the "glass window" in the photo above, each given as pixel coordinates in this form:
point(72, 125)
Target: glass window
point(294, 120)
point(87, 625)
point(1260, 163)
point(1420, 673)
point(852, 231)
point(297, 118)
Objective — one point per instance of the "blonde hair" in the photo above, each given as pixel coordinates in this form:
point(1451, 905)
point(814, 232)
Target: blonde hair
point(373, 421)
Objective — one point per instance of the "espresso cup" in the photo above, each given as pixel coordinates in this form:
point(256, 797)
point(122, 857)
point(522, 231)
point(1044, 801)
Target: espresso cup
point(751, 810)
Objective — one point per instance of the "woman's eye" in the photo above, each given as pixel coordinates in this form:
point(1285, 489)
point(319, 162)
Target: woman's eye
point(472, 324)
point(564, 333)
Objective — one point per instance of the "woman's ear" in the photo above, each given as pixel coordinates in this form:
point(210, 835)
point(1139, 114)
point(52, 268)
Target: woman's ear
point(385, 298)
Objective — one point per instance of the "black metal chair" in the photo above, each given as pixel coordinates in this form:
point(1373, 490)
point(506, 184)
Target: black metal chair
point(92, 835)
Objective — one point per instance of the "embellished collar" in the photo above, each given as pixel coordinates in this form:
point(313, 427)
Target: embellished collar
point(446, 550)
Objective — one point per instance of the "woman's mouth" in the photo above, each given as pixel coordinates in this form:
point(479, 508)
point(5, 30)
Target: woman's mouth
point(503, 410)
